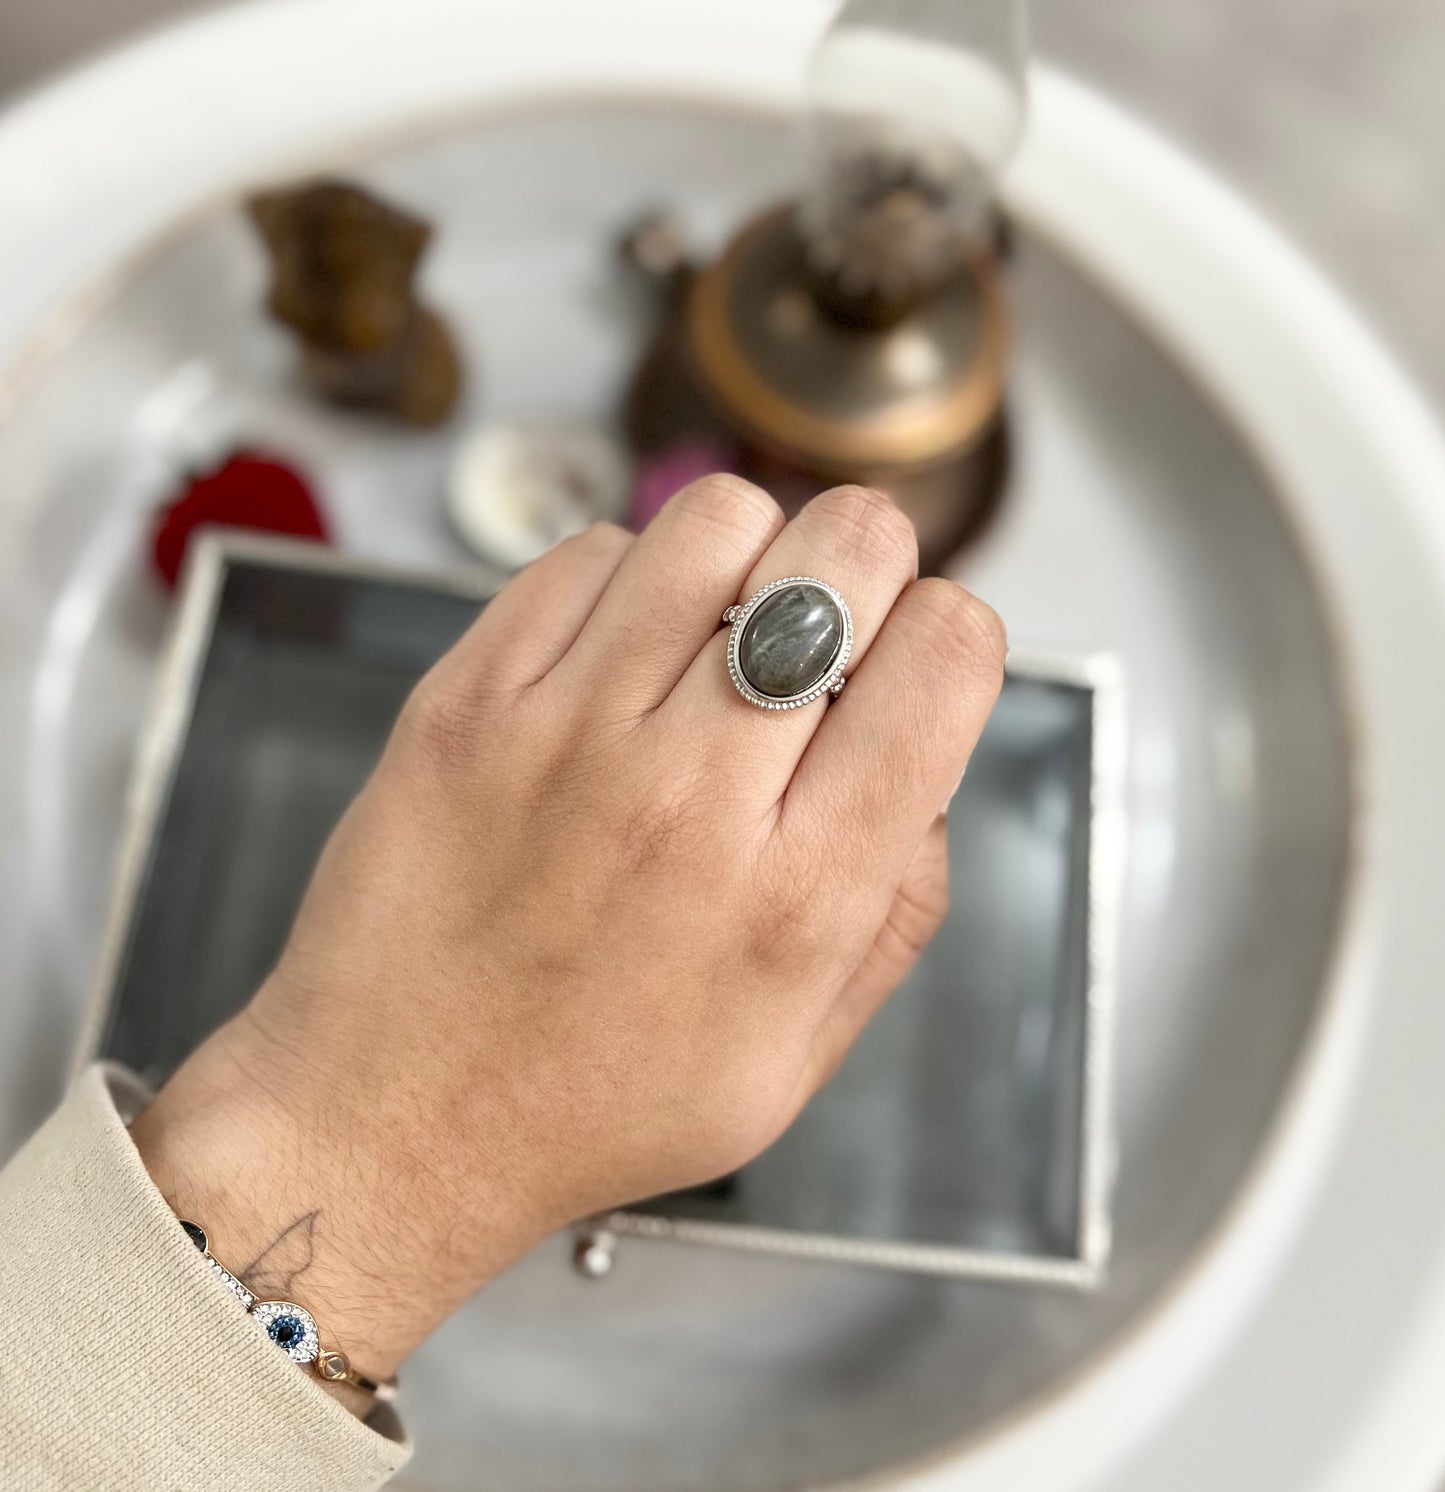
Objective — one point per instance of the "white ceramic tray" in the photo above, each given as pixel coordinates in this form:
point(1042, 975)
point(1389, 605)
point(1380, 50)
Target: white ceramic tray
point(1222, 480)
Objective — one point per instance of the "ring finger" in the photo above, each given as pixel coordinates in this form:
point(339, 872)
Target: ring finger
point(858, 542)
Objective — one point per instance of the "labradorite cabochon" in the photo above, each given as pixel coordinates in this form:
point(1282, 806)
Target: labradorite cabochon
point(791, 641)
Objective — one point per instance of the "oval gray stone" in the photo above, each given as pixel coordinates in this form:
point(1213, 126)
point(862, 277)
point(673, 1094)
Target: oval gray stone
point(791, 641)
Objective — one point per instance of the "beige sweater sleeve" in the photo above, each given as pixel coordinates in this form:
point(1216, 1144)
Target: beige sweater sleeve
point(125, 1367)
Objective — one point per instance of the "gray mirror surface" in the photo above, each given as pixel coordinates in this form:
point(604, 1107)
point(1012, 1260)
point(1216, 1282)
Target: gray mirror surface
point(956, 1120)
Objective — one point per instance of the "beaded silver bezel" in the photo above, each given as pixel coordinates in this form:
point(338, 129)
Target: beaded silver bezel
point(831, 682)
point(306, 1350)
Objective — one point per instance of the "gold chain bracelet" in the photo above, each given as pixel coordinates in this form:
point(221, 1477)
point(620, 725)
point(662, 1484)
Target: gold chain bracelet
point(290, 1326)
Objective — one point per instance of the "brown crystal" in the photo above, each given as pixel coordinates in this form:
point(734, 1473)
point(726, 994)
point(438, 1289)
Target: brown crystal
point(343, 264)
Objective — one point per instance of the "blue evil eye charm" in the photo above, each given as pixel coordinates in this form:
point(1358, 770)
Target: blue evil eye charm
point(290, 1327)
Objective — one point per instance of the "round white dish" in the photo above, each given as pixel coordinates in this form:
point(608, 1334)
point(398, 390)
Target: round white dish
point(1306, 1347)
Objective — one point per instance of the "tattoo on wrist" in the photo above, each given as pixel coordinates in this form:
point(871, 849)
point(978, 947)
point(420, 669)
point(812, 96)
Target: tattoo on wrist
point(273, 1273)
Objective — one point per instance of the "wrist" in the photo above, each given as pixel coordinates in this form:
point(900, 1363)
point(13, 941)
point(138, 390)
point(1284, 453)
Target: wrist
point(305, 1199)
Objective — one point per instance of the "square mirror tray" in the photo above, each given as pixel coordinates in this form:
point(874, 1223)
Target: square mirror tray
point(968, 1132)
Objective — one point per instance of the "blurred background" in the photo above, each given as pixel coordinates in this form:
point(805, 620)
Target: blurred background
point(1330, 115)
point(1116, 410)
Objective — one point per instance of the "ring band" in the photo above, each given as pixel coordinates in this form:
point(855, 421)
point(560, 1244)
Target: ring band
point(789, 643)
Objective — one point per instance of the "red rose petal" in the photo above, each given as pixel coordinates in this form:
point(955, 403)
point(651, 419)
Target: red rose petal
point(247, 491)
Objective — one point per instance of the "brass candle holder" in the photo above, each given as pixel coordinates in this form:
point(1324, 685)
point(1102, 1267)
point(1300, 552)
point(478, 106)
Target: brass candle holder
point(861, 334)
point(886, 368)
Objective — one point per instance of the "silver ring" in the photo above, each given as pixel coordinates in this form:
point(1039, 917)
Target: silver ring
point(789, 643)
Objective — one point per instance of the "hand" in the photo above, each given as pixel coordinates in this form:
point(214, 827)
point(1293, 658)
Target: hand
point(596, 929)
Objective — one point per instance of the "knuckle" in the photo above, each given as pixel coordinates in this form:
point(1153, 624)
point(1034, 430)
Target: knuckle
point(960, 631)
point(871, 526)
point(730, 503)
point(444, 722)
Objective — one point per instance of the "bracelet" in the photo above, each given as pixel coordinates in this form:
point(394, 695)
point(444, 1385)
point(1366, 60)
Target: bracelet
point(290, 1326)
